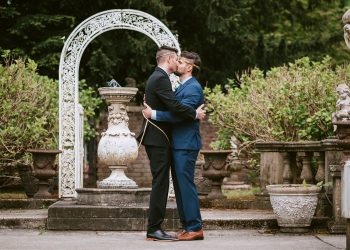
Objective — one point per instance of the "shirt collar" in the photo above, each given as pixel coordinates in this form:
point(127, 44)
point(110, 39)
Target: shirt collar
point(164, 69)
point(185, 80)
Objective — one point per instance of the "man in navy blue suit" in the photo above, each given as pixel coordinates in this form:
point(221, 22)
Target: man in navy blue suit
point(186, 143)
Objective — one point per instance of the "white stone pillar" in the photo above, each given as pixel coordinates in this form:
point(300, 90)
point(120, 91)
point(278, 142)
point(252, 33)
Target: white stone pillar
point(345, 191)
point(79, 171)
point(345, 185)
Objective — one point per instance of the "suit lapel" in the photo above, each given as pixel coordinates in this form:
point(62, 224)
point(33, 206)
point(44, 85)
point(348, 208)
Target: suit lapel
point(183, 86)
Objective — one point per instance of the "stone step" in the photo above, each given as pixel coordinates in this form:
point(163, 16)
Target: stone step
point(23, 218)
point(28, 203)
point(67, 215)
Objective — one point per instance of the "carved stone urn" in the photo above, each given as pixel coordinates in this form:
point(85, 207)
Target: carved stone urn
point(294, 205)
point(215, 168)
point(117, 146)
point(44, 169)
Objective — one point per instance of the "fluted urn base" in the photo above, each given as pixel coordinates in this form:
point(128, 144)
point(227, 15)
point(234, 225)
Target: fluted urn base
point(117, 179)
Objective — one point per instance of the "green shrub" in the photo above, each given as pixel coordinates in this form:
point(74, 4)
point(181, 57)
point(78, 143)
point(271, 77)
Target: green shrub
point(29, 110)
point(91, 102)
point(290, 103)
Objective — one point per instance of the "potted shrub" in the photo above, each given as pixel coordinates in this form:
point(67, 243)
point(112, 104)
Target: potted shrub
point(29, 117)
point(288, 103)
point(291, 103)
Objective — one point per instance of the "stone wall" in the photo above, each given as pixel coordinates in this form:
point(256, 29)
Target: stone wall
point(139, 171)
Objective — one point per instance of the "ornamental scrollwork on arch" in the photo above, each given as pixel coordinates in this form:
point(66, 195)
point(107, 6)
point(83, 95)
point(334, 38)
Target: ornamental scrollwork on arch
point(71, 55)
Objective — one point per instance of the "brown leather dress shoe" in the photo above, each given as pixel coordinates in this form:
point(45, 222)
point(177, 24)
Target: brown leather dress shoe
point(180, 233)
point(198, 235)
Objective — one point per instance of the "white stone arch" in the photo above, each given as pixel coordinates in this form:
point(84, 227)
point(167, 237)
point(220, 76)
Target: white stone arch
point(70, 160)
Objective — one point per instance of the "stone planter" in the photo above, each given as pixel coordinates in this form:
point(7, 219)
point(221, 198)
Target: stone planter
point(215, 169)
point(44, 169)
point(30, 183)
point(202, 183)
point(294, 205)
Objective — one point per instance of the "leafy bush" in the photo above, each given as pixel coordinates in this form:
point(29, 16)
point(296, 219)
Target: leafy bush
point(91, 101)
point(29, 110)
point(290, 103)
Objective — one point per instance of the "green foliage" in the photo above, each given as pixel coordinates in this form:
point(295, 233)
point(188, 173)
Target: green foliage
point(29, 109)
point(318, 184)
point(231, 36)
point(90, 102)
point(38, 30)
point(290, 103)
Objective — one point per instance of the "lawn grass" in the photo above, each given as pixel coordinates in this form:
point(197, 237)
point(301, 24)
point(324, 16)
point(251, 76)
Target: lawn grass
point(241, 194)
point(12, 195)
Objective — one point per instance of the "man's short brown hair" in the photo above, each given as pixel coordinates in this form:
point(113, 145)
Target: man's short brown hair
point(195, 60)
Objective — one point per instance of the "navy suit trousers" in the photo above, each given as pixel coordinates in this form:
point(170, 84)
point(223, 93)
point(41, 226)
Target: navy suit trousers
point(185, 190)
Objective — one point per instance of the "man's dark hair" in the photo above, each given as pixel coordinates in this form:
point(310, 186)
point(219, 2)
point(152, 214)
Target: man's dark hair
point(195, 60)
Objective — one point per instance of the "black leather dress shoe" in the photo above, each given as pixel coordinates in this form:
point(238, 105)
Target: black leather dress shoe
point(160, 235)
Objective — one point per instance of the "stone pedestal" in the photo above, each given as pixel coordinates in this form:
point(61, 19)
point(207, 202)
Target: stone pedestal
point(113, 197)
point(233, 182)
point(347, 233)
point(338, 223)
point(117, 146)
point(271, 164)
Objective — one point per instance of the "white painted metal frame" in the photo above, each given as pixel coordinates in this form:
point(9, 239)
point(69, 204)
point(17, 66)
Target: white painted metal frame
point(70, 159)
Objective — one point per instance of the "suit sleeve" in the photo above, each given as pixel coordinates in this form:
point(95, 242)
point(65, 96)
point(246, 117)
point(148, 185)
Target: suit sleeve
point(166, 94)
point(166, 116)
point(194, 99)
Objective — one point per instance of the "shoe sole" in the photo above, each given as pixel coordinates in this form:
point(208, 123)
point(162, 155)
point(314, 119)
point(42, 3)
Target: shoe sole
point(155, 239)
point(199, 238)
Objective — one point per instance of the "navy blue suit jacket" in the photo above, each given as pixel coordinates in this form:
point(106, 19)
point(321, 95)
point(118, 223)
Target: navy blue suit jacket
point(185, 132)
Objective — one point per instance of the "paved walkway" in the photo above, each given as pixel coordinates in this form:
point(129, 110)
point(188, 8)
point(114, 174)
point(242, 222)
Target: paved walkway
point(214, 240)
point(226, 238)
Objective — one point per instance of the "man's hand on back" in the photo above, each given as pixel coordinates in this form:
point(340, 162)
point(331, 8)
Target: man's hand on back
point(200, 112)
point(147, 112)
